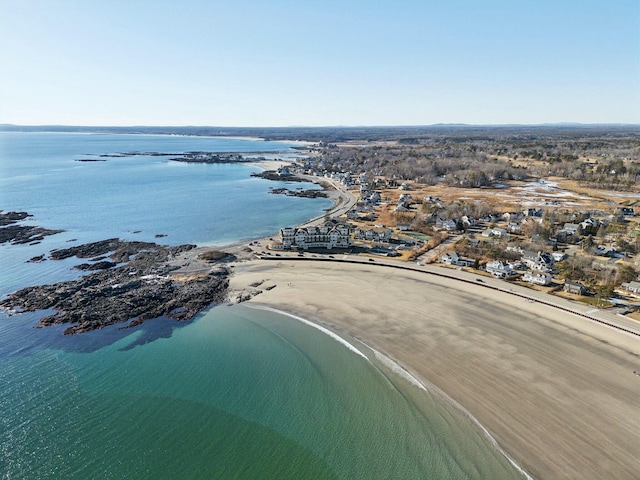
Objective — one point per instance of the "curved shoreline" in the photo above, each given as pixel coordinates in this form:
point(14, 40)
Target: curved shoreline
point(523, 377)
point(402, 372)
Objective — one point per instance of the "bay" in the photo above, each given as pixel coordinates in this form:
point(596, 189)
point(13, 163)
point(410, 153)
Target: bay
point(237, 392)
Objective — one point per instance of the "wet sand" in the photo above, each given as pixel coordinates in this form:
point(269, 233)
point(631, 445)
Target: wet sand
point(555, 390)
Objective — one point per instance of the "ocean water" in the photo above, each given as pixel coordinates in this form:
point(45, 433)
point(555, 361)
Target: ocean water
point(237, 393)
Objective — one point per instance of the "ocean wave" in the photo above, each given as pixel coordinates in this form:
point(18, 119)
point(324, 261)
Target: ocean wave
point(399, 370)
point(316, 326)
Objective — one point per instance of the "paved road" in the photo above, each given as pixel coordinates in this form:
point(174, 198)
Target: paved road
point(343, 198)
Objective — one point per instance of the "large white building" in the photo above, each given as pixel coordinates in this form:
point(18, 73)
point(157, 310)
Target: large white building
point(330, 235)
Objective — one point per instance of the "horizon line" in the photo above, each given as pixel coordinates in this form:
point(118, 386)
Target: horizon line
point(440, 124)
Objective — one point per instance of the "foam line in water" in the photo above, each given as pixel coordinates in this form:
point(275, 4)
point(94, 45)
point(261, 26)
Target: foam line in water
point(316, 326)
point(404, 373)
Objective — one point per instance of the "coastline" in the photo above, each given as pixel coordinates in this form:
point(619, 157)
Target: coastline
point(490, 367)
point(402, 372)
point(556, 417)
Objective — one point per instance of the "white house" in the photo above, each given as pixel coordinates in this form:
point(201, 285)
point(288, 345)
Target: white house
point(468, 221)
point(495, 232)
point(514, 227)
point(538, 261)
point(633, 287)
point(499, 269)
point(558, 256)
point(571, 228)
point(452, 258)
point(540, 278)
point(448, 224)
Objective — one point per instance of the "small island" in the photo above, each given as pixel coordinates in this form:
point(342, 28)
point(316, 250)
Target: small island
point(310, 193)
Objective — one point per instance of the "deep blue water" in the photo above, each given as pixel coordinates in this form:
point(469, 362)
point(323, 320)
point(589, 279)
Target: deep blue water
point(136, 197)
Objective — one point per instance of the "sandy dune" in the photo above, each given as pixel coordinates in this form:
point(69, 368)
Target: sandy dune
point(555, 390)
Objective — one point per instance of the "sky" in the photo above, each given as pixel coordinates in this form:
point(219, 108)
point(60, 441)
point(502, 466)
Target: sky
point(319, 63)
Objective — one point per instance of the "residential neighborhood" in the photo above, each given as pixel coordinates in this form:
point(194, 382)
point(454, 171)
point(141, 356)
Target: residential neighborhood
point(582, 248)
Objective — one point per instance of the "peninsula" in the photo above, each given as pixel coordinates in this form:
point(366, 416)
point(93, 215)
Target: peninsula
point(134, 285)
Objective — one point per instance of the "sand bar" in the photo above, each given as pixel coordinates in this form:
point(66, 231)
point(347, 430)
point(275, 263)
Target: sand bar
point(555, 390)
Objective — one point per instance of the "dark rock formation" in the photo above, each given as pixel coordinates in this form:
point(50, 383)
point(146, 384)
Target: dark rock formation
point(211, 157)
point(274, 175)
point(299, 193)
point(103, 265)
point(140, 289)
point(10, 232)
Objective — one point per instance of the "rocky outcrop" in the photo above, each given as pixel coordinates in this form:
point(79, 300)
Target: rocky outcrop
point(274, 175)
point(10, 232)
point(136, 285)
point(299, 193)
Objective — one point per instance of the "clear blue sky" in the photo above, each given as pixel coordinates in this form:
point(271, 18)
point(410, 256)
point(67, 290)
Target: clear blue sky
point(323, 62)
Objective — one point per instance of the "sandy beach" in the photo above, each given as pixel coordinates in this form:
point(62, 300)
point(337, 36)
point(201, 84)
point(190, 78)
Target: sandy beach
point(555, 390)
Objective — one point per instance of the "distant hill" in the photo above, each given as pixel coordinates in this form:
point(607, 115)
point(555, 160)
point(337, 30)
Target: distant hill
point(342, 133)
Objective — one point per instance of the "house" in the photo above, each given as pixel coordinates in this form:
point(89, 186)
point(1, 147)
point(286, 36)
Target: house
point(499, 269)
point(495, 232)
point(539, 278)
point(558, 256)
point(404, 186)
point(377, 234)
point(532, 212)
point(589, 226)
point(468, 221)
point(370, 197)
point(571, 229)
point(491, 218)
point(403, 227)
point(402, 207)
point(452, 258)
point(511, 216)
point(513, 227)
point(352, 215)
point(633, 287)
point(575, 287)
point(515, 248)
point(611, 252)
point(448, 224)
point(284, 172)
point(627, 212)
point(537, 261)
point(330, 235)
point(363, 179)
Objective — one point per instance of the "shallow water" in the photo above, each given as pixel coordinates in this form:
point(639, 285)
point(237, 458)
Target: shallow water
point(237, 393)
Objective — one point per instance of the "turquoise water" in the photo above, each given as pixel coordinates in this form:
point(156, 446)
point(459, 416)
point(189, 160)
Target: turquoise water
point(236, 393)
